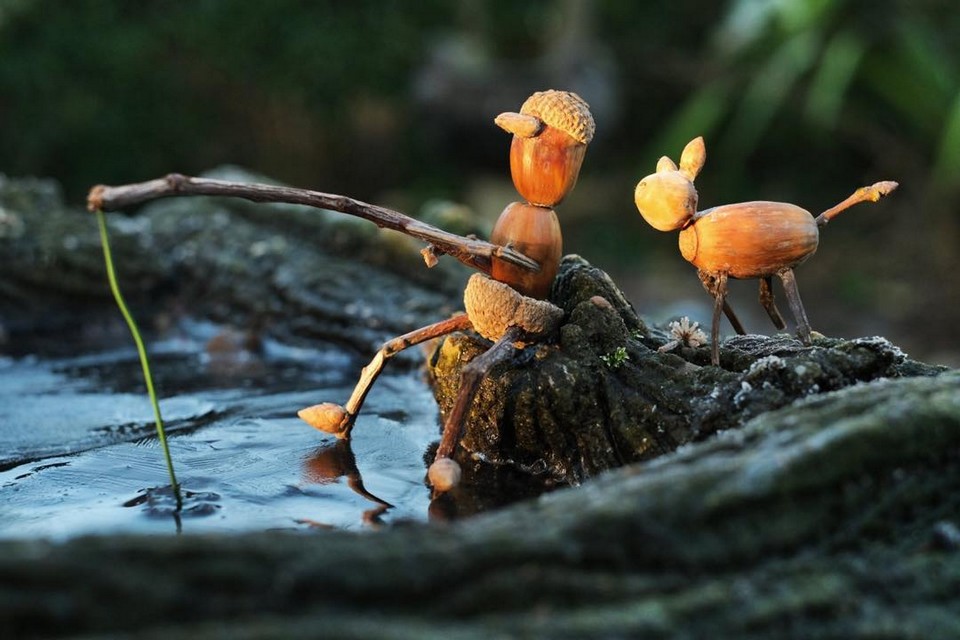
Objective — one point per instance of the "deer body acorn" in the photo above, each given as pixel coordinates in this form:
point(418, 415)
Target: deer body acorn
point(745, 240)
point(749, 239)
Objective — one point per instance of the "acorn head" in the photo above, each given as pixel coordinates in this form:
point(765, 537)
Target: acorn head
point(550, 137)
point(667, 199)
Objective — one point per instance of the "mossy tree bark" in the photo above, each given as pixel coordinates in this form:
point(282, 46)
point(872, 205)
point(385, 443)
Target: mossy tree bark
point(601, 394)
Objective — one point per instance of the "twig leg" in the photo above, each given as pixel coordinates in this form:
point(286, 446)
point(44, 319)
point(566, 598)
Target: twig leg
point(716, 285)
point(444, 473)
point(768, 302)
point(709, 282)
point(732, 317)
point(339, 420)
point(796, 305)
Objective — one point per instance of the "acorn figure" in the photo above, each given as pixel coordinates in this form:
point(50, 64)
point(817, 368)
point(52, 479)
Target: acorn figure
point(550, 136)
point(744, 240)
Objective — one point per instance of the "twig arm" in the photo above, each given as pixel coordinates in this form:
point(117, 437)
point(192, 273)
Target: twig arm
point(472, 252)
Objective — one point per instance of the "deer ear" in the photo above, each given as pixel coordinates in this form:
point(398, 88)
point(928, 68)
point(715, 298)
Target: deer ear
point(665, 164)
point(693, 157)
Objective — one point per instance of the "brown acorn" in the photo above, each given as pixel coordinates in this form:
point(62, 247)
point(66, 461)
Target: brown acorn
point(750, 239)
point(551, 134)
point(535, 232)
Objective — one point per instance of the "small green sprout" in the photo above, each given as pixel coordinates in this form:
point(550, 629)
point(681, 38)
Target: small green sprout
point(141, 351)
point(616, 359)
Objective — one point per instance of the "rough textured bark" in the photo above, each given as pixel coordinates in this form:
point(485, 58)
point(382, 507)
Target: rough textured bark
point(570, 408)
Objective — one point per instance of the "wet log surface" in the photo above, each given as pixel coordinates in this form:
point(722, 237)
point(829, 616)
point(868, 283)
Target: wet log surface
point(793, 492)
point(833, 517)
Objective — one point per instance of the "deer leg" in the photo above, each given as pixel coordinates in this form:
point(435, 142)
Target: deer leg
point(709, 282)
point(444, 473)
point(716, 285)
point(338, 420)
point(732, 317)
point(766, 299)
point(796, 305)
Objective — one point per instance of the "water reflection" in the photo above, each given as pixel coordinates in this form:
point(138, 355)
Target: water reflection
point(161, 503)
point(335, 460)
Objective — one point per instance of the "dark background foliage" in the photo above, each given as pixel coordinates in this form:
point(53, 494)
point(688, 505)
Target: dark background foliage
point(800, 100)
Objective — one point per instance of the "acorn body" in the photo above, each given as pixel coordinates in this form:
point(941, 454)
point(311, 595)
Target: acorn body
point(750, 239)
point(545, 168)
point(535, 232)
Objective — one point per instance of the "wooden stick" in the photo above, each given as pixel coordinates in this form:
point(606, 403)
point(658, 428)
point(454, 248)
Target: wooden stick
point(720, 296)
point(732, 317)
point(472, 252)
point(769, 303)
point(338, 420)
point(796, 305)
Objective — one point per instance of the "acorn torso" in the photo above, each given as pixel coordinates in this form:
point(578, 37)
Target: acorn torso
point(535, 232)
point(750, 239)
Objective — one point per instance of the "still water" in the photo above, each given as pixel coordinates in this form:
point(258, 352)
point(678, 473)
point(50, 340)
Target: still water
point(78, 454)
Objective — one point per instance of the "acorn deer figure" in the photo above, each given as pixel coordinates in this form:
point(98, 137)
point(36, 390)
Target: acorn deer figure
point(550, 136)
point(744, 240)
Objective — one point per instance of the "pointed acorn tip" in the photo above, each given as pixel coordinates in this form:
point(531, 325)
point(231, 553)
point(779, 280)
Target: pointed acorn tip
point(327, 417)
point(518, 124)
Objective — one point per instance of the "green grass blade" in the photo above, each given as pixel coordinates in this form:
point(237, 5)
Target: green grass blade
point(141, 350)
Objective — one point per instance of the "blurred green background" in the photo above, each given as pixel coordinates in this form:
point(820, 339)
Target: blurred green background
point(390, 102)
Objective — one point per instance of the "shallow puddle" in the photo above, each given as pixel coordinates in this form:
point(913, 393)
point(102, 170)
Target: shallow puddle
point(78, 454)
